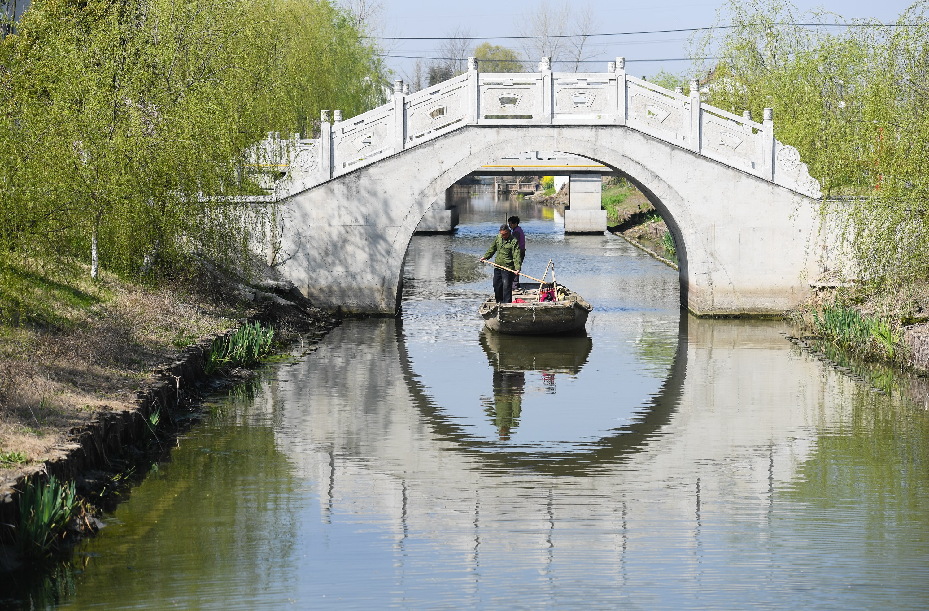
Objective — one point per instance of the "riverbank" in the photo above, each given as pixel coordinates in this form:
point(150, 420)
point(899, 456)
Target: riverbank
point(98, 377)
point(896, 320)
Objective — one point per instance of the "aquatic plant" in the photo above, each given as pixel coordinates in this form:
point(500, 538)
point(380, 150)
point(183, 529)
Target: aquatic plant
point(244, 348)
point(45, 508)
point(849, 329)
point(843, 326)
point(885, 336)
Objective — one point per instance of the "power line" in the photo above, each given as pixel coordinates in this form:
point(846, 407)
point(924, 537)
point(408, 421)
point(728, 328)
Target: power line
point(640, 32)
point(564, 61)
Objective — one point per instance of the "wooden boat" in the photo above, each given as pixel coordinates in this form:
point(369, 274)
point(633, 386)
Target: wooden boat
point(526, 315)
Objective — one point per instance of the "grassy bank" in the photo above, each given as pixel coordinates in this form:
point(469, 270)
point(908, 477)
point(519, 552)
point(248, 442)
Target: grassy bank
point(71, 347)
point(886, 324)
point(74, 352)
point(630, 214)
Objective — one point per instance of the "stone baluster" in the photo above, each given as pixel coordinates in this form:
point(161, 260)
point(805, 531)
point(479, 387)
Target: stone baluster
point(474, 92)
point(548, 94)
point(768, 168)
point(325, 145)
point(399, 116)
point(695, 116)
point(622, 92)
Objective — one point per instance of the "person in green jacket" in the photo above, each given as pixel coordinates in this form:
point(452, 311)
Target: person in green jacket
point(508, 255)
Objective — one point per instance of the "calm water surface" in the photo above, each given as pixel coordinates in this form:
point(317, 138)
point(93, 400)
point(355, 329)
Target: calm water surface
point(662, 462)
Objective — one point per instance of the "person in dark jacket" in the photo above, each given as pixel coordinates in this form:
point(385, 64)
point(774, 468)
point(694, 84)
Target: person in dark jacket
point(507, 253)
point(520, 238)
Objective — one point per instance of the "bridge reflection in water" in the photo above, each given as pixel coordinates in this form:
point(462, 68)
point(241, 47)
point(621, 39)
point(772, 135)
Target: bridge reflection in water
point(678, 463)
point(692, 498)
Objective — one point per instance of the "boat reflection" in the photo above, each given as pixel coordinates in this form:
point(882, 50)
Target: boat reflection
point(550, 354)
point(511, 357)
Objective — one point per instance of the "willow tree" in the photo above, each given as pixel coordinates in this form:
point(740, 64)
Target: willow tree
point(892, 225)
point(123, 121)
point(496, 58)
point(851, 99)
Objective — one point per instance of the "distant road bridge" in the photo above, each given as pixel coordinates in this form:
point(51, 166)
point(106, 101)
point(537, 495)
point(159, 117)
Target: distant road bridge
point(741, 206)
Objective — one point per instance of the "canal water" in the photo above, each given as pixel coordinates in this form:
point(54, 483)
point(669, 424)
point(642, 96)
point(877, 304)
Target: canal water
point(660, 462)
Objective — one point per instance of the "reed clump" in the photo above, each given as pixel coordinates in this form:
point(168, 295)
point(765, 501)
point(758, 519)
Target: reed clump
point(244, 348)
point(46, 509)
point(851, 330)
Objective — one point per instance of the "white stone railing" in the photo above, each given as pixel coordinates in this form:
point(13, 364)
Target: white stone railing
point(613, 98)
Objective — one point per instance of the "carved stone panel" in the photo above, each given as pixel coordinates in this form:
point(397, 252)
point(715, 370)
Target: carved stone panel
point(732, 141)
point(435, 111)
point(660, 115)
point(516, 101)
point(363, 140)
point(306, 159)
point(583, 96)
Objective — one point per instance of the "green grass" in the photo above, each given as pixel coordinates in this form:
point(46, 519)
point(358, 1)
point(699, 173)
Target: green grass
point(244, 348)
point(44, 295)
point(45, 508)
point(612, 199)
point(12, 459)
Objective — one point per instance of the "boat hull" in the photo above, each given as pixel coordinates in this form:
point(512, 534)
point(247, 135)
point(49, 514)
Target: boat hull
point(533, 317)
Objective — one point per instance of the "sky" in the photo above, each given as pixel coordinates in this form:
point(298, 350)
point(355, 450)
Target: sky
point(493, 20)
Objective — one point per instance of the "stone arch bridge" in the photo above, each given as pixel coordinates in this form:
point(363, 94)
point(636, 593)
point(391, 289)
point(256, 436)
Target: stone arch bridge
point(742, 208)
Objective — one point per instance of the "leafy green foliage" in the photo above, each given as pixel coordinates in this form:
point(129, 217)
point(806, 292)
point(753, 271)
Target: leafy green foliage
point(45, 510)
point(852, 101)
point(667, 80)
point(495, 58)
point(12, 458)
point(125, 124)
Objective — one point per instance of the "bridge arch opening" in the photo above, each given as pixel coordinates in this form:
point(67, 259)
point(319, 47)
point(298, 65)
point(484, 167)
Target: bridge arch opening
point(487, 162)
